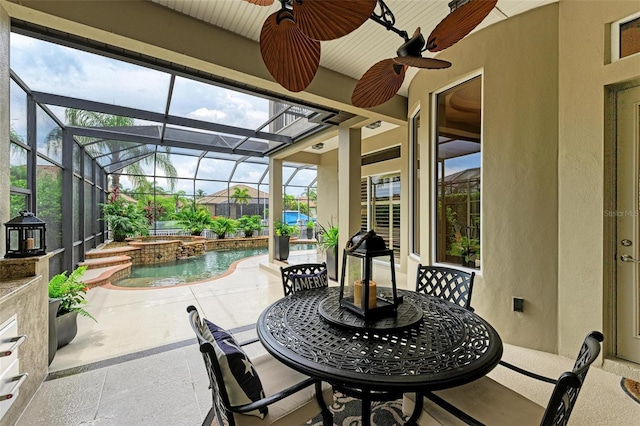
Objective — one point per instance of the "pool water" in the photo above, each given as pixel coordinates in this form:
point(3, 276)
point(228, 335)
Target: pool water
point(209, 265)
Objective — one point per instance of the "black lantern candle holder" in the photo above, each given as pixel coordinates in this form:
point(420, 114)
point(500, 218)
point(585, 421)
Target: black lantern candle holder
point(360, 293)
point(25, 236)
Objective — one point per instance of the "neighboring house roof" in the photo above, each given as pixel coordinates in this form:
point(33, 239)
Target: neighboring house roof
point(127, 198)
point(224, 196)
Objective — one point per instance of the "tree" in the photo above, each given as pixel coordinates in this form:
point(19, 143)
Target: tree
point(290, 202)
point(200, 193)
point(310, 193)
point(194, 220)
point(146, 153)
point(241, 196)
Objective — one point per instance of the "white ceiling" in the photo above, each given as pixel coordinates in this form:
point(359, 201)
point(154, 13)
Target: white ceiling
point(354, 53)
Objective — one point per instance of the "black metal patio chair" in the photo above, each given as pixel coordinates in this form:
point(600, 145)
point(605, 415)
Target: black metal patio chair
point(304, 276)
point(260, 391)
point(485, 401)
point(447, 283)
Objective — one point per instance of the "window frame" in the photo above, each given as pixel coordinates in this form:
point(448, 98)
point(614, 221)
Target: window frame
point(433, 169)
point(615, 37)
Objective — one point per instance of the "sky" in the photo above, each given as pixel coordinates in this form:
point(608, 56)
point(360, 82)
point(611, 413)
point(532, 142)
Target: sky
point(60, 70)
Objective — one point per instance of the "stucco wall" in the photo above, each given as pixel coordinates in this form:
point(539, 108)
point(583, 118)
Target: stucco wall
point(518, 60)
point(584, 73)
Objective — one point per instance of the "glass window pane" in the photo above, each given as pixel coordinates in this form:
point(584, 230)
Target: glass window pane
point(17, 203)
point(18, 166)
point(415, 180)
point(49, 201)
point(630, 38)
point(18, 113)
point(49, 136)
point(458, 154)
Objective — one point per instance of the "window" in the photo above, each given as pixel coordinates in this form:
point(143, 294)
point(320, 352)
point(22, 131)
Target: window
point(625, 37)
point(457, 155)
point(415, 182)
point(380, 208)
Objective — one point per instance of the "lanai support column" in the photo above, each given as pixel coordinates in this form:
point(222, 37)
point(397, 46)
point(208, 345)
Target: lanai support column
point(275, 201)
point(349, 175)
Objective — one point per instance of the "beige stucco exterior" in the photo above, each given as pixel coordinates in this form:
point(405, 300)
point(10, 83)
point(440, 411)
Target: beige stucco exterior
point(545, 155)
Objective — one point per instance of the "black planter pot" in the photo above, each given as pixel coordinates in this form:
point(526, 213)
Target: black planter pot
point(309, 233)
point(282, 247)
point(332, 263)
point(53, 336)
point(66, 328)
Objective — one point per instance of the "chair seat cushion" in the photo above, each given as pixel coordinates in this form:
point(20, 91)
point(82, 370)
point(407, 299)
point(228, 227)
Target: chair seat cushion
point(484, 399)
point(241, 380)
point(293, 410)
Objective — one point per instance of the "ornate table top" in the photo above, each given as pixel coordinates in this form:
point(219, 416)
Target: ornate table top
point(450, 346)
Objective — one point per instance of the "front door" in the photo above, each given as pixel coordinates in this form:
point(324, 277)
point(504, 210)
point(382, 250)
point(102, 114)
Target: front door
point(628, 223)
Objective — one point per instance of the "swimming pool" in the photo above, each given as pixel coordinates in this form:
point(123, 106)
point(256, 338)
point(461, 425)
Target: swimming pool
point(192, 269)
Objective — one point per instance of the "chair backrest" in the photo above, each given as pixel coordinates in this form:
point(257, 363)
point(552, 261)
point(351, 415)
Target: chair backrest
point(568, 386)
point(305, 276)
point(220, 404)
point(447, 283)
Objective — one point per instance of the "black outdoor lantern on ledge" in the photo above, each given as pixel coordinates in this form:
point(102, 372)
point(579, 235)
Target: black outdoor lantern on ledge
point(368, 296)
point(25, 236)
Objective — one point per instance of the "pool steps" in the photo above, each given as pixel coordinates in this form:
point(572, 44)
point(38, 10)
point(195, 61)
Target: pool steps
point(104, 266)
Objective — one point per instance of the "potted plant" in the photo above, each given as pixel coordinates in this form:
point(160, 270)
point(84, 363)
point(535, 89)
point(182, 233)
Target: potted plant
point(283, 232)
point(69, 292)
point(467, 248)
point(310, 226)
point(328, 243)
point(194, 220)
point(123, 218)
point(221, 226)
point(249, 224)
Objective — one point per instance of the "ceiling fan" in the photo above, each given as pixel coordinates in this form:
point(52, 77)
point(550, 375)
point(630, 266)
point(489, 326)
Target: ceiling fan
point(290, 41)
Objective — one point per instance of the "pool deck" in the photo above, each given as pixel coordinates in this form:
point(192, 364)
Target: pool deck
point(136, 319)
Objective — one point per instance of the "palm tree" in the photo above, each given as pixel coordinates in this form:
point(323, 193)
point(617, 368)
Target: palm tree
point(290, 202)
point(83, 118)
point(241, 196)
point(200, 193)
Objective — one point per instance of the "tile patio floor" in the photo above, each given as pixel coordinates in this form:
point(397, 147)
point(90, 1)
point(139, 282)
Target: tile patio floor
point(139, 364)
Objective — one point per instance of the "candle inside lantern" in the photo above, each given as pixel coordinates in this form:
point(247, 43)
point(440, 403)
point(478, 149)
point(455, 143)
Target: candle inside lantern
point(30, 243)
point(358, 292)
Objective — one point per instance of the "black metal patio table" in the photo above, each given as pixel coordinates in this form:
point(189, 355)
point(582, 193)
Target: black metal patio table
point(448, 346)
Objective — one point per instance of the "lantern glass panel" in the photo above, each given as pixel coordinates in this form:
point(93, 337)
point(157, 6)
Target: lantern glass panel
point(14, 239)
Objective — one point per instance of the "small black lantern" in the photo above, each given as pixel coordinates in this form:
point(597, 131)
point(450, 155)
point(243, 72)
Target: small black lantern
point(25, 236)
point(359, 292)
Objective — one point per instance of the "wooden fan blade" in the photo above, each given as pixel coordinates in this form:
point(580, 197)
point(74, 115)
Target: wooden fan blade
point(261, 2)
point(291, 57)
point(330, 19)
point(420, 62)
point(379, 84)
point(458, 24)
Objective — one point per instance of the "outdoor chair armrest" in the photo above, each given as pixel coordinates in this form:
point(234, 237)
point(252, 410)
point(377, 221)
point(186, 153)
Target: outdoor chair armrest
point(527, 373)
point(264, 402)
